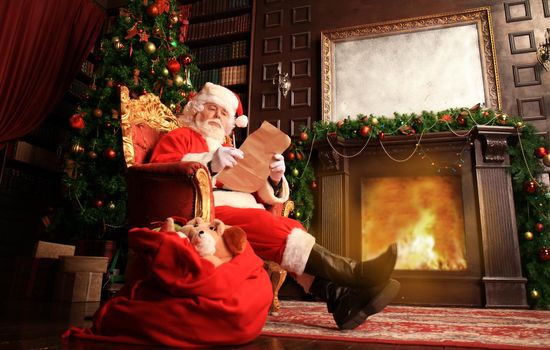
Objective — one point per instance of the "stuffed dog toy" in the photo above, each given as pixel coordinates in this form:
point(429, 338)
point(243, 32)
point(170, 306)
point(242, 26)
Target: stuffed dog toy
point(213, 240)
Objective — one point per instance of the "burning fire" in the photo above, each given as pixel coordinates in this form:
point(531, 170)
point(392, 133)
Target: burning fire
point(423, 215)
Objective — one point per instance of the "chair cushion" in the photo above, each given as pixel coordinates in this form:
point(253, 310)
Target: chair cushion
point(144, 139)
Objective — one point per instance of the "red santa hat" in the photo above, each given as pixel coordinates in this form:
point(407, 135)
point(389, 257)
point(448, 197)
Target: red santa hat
point(224, 98)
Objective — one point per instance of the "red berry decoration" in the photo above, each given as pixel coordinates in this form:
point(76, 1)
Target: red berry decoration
point(530, 186)
point(109, 153)
point(541, 152)
point(544, 254)
point(365, 130)
point(539, 227)
point(304, 136)
point(173, 66)
point(186, 60)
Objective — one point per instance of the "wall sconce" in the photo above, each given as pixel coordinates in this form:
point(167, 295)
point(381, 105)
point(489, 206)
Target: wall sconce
point(283, 83)
point(543, 52)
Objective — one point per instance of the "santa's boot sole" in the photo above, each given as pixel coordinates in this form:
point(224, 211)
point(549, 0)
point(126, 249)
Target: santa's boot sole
point(376, 304)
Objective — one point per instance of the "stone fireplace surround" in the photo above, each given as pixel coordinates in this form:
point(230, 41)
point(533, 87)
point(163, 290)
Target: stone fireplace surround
point(493, 277)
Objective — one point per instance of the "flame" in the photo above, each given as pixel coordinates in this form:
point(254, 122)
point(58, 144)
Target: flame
point(424, 217)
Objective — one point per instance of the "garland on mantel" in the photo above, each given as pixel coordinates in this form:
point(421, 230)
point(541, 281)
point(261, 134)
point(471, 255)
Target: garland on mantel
point(528, 156)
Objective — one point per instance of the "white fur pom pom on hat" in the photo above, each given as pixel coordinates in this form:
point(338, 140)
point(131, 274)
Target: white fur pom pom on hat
point(241, 121)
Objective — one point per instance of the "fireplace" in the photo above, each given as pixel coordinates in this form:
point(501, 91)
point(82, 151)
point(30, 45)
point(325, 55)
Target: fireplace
point(449, 208)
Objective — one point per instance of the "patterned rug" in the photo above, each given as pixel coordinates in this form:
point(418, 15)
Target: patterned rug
point(466, 327)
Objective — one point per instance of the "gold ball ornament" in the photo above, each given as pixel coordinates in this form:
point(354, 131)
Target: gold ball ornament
point(173, 18)
point(534, 294)
point(172, 107)
point(178, 80)
point(77, 148)
point(528, 235)
point(149, 48)
point(92, 155)
point(119, 46)
point(374, 121)
point(115, 40)
point(295, 172)
point(298, 215)
point(546, 160)
point(502, 119)
point(156, 30)
point(165, 72)
point(520, 125)
point(111, 206)
point(97, 112)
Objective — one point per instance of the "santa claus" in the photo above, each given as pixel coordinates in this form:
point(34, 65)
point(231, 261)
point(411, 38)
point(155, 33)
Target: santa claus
point(353, 290)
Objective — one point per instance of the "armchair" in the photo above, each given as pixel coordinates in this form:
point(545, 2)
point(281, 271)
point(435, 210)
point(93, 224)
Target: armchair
point(187, 184)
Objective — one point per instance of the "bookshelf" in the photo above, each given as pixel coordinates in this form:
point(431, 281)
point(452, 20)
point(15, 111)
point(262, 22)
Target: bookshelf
point(219, 41)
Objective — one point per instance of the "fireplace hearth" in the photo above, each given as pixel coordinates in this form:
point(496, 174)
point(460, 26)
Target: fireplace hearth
point(449, 207)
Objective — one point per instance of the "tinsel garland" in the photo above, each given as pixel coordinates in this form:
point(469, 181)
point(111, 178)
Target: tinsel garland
point(531, 196)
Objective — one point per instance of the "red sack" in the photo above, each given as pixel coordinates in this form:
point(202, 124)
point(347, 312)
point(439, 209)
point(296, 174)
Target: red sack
point(180, 300)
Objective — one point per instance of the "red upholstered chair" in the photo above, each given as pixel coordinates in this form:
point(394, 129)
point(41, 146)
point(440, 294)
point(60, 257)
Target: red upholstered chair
point(181, 189)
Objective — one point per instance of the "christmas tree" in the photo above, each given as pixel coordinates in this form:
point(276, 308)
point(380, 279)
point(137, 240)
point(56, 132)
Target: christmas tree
point(144, 51)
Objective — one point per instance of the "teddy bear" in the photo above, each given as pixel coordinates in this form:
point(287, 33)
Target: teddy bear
point(213, 240)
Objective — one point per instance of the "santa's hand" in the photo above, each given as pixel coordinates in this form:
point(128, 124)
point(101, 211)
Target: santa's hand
point(225, 157)
point(277, 168)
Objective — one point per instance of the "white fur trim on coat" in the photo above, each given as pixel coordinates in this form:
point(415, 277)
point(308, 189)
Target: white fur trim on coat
point(298, 247)
point(203, 158)
point(236, 200)
point(267, 194)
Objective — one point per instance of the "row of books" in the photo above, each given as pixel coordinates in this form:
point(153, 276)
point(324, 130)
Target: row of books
point(25, 152)
point(221, 53)
point(23, 183)
point(87, 68)
point(210, 7)
point(219, 27)
point(234, 75)
point(79, 89)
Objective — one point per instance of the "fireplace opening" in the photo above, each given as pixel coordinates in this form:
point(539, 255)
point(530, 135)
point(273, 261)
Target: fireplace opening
point(423, 214)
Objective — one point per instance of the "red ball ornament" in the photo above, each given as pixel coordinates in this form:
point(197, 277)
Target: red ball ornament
point(304, 136)
point(98, 203)
point(152, 11)
point(290, 156)
point(109, 153)
point(314, 185)
point(460, 120)
point(365, 130)
point(97, 112)
point(299, 156)
point(173, 66)
point(544, 254)
point(539, 227)
point(540, 152)
point(530, 186)
point(77, 122)
point(381, 135)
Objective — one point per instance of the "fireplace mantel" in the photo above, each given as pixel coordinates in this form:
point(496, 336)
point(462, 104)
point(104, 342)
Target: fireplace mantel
point(494, 277)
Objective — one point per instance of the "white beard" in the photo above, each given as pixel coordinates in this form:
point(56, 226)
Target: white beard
point(209, 131)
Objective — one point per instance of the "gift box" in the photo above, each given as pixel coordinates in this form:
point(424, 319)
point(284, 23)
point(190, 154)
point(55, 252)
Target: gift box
point(80, 278)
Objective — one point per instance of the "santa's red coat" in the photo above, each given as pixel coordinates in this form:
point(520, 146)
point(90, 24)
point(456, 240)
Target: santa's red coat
point(275, 238)
point(178, 299)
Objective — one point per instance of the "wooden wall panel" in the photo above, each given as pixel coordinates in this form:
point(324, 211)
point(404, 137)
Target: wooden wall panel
point(518, 28)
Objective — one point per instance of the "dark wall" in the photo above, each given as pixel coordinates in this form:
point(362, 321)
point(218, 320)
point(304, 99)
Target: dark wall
point(287, 34)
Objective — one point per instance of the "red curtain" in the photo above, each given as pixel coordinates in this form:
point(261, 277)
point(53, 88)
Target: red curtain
point(43, 43)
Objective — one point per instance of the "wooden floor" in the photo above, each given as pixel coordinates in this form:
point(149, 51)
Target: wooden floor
point(38, 325)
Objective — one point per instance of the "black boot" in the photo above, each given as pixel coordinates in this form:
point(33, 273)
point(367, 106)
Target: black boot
point(348, 272)
point(351, 307)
